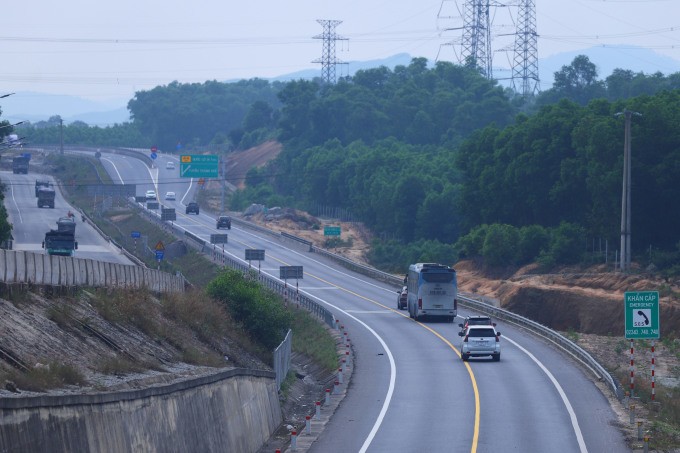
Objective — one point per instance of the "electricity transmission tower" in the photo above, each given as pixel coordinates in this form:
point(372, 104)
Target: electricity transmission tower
point(476, 47)
point(525, 63)
point(328, 60)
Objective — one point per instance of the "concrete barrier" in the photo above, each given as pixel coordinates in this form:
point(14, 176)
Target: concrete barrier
point(232, 410)
point(23, 267)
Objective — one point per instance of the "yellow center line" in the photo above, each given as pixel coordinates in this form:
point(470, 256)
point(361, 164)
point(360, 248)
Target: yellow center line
point(475, 434)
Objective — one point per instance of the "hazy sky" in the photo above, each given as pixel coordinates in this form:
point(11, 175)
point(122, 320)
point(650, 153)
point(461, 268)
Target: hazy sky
point(109, 49)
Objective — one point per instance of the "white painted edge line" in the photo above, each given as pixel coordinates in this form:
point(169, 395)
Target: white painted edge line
point(565, 400)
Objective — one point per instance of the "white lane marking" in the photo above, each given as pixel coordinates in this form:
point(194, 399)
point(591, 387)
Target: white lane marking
point(393, 374)
point(21, 220)
point(393, 367)
point(372, 312)
point(115, 169)
point(565, 400)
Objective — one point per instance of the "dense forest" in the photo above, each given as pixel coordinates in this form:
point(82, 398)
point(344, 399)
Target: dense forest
point(438, 161)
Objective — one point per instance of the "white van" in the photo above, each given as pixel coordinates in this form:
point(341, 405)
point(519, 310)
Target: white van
point(170, 165)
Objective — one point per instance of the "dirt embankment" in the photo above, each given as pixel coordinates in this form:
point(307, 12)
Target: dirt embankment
point(583, 300)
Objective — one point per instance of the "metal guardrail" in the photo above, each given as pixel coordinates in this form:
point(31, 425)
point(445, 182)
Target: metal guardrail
point(554, 337)
point(545, 332)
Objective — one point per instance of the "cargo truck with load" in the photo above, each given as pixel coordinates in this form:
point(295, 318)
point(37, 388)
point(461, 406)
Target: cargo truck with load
point(20, 164)
point(46, 197)
point(62, 241)
point(41, 183)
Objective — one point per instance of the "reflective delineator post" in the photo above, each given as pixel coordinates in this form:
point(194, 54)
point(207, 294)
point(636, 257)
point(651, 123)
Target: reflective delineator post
point(646, 444)
point(308, 424)
point(639, 430)
point(328, 397)
point(632, 414)
point(653, 389)
point(317, 415)
point(336, 388)
point(293, 440)
point(337, 324)
point(632, 369)
point(340, 380)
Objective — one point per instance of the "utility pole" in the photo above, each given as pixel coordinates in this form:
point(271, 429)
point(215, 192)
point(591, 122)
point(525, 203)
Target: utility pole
point(624, 260)
point(525, 79)
point(61, 136)
point(328, 60)
point(476, 47)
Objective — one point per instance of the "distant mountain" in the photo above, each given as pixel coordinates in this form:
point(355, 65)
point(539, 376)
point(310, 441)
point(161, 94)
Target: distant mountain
point(40, 106)
point(350, 68)
point(36, 107)
point(606, 59)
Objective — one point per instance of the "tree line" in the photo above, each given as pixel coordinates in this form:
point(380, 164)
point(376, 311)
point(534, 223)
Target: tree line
point(435, 158)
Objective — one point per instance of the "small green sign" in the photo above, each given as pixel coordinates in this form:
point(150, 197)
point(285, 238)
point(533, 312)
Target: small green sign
point(642, 314)
point(331, 231)
point(198, 166)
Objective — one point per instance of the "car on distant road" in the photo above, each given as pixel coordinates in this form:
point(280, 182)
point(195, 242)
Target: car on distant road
point(480, 341)
point(192, 207)
point(150, 194)
point(402, 298)
point(169, 195)
point(223, 221)
point(170, 165)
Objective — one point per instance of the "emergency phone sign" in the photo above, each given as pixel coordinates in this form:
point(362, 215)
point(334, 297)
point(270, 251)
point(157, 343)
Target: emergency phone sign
point(642, 314)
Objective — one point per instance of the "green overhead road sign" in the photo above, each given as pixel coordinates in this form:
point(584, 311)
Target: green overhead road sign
point(642, 314)
point(198, 166)
point(331, 231)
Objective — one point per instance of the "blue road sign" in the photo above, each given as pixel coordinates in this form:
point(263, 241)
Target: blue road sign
point(135, 234)
point(159, 254)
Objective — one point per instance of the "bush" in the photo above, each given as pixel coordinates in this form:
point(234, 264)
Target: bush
point(500, 245)
point(259, 311)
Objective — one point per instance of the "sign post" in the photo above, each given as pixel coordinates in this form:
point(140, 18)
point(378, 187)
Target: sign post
point(286, 272)
point(198, 166)
point(641, 310)
point(160, 251)
point(135, 235)
point(255, 255)
point(331, 231)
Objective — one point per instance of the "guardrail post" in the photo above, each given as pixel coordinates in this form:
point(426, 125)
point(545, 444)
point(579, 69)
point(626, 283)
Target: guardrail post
point(632, 413)
point(639, 430)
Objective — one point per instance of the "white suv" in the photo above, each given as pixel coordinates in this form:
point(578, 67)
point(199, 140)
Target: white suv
point(480, 341)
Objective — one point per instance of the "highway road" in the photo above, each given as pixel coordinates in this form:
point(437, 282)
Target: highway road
point(31, 223)
point(410, 391)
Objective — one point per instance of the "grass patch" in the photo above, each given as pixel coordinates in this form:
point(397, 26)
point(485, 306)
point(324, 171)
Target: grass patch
point(45, 377)
point(61, 315)
point(311, 338)
point(118, 366)
point(572, 335)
